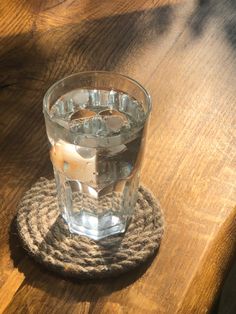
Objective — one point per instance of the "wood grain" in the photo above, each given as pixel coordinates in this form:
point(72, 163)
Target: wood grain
point(184, 53)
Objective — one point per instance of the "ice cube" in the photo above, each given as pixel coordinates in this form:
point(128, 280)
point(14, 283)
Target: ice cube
point(80, 120)
point(86, 152)
point(61, 108)
point(113, 112)
point(98, 126)
point(94, 126)
point(114, 123)
point(82, 114)
point(114, 119)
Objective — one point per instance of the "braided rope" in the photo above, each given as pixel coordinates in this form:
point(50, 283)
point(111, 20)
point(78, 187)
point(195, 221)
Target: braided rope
point(47, 238)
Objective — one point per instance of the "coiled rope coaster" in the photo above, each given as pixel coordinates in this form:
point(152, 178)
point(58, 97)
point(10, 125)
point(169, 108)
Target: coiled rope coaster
point(46, 236)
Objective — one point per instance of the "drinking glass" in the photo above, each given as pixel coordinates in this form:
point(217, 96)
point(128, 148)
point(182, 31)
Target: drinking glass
point(96, 124)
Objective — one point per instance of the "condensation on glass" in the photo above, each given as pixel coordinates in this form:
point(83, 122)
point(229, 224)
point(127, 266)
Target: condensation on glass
point(96, 125)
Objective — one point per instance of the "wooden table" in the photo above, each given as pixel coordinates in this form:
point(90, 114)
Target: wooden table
point(184, 53)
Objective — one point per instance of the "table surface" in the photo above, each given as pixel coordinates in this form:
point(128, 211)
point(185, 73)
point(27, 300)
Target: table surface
point(184, 53)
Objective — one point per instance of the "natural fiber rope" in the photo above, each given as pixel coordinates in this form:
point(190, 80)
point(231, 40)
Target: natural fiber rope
point(47, 238)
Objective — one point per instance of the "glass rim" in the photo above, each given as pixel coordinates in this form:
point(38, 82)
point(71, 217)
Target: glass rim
point(52, 87)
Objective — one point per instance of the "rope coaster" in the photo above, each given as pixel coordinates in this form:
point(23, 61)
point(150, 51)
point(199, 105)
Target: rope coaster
point(46, 236)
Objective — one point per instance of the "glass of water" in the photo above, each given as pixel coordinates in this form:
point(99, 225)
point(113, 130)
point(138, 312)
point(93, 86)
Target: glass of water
point(96, 125)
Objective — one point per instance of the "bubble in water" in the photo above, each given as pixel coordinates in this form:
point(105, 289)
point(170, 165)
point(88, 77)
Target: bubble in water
point(83, 106)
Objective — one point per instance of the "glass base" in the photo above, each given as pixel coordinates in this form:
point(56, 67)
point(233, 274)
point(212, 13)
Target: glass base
point(95, 227)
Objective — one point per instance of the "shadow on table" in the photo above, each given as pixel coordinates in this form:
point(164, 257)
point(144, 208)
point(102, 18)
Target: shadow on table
point(227, 302)
point(224, 11)
point(39, 277)
point(35, 59)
